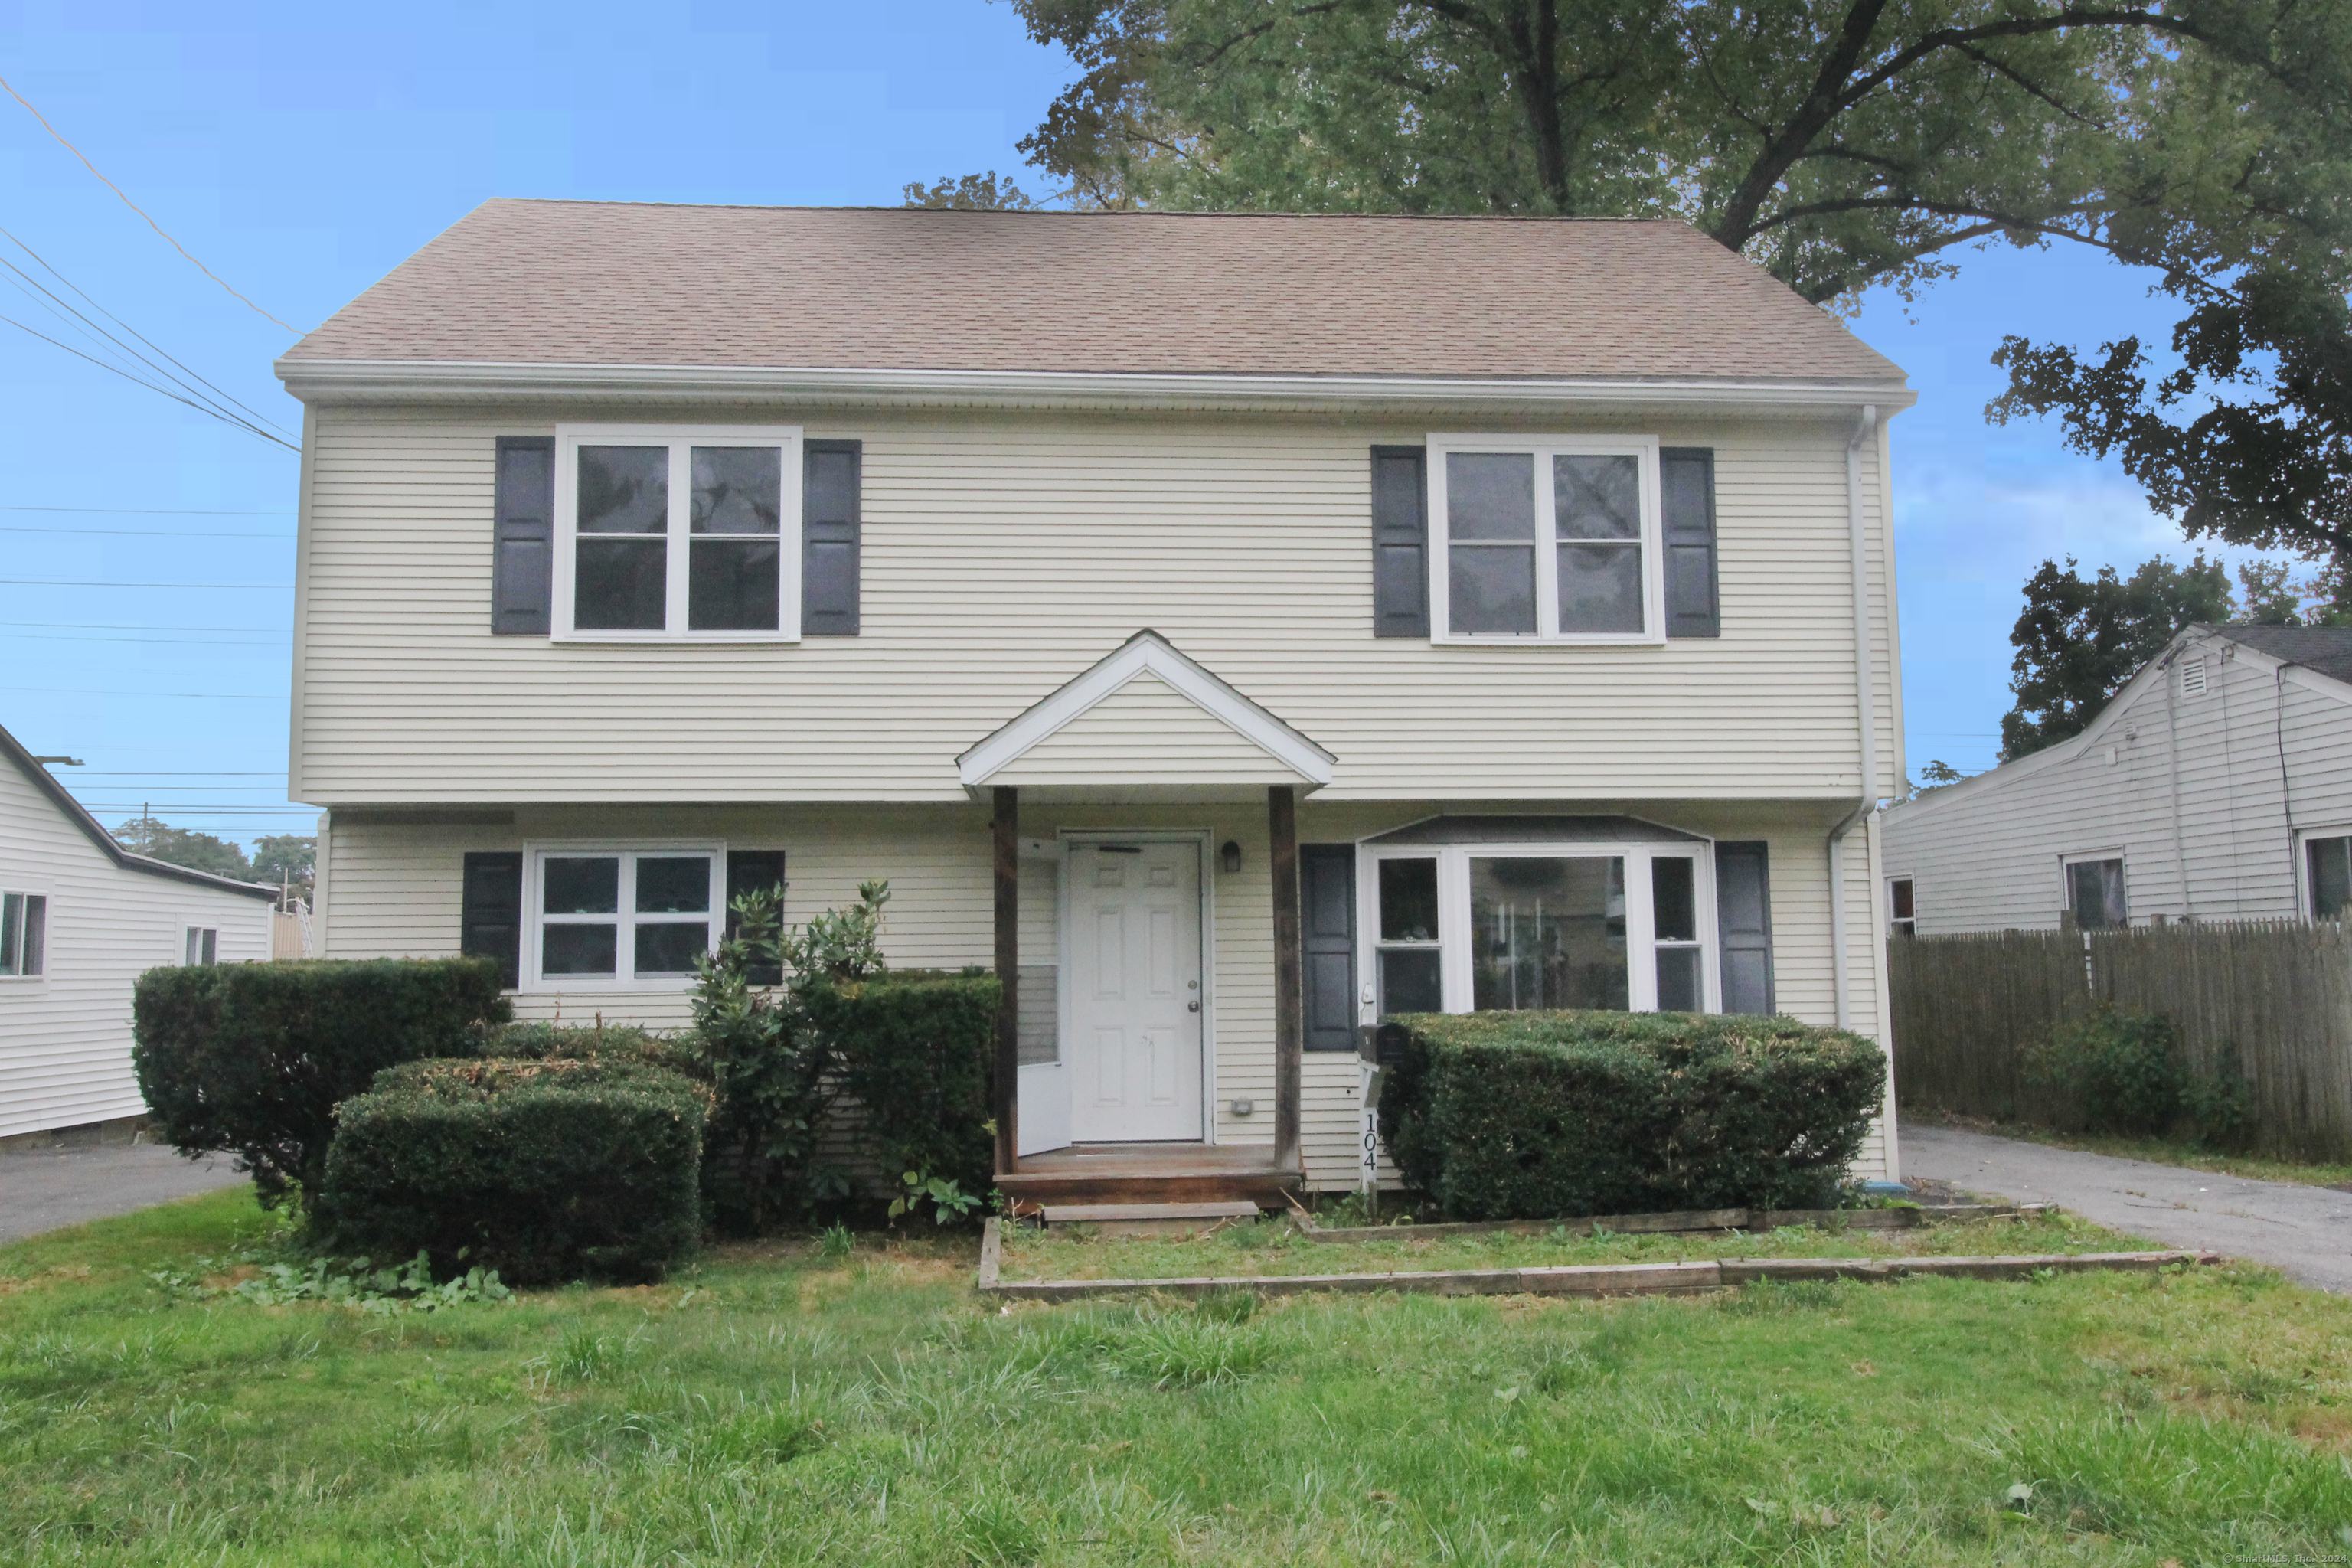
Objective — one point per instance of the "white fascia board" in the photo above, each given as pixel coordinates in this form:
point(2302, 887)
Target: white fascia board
point(1146, 652)
point(365, 381)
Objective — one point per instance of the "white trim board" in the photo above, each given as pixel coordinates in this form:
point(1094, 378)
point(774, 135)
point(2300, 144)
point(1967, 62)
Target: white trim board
point(1147, 652)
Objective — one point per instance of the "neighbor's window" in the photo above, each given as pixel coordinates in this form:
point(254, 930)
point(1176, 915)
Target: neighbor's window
point(200, 944)
point(613, 917)
point(1410, 961)
point(1901, 907)
point(2094, 893)
point(2329, 862)
point(24, 934)
point(1549, 541)
point(677, 534)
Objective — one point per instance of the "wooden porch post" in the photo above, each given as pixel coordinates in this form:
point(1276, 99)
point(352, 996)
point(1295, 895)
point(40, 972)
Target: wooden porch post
point(1008, 974)
point(1282, 825)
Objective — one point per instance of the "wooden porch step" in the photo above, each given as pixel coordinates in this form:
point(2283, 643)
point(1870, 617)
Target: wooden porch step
point(1096, 1214)
point(1150, 1173)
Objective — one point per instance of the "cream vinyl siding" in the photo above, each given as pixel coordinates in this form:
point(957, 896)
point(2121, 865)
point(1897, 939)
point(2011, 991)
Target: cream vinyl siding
point(1004, 554)
point(396, 889)
point(1986, 857)
point(1145, 733)
point(65, 1037)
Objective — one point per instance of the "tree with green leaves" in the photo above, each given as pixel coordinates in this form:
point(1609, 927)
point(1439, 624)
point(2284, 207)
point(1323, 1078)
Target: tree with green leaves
point(288, 859)
point(1838, 142)
point(158, 840)
point(2079, 639)
point(990, 192)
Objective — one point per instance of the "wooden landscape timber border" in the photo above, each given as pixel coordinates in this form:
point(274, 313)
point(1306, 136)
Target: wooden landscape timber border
point(1594, 1281)
point(1665, 1224)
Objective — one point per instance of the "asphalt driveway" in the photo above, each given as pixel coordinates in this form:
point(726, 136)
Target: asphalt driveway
point(2305, 1232)
point(47, 1189)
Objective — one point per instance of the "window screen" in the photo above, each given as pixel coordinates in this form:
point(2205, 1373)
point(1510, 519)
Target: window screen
point(2329, 863)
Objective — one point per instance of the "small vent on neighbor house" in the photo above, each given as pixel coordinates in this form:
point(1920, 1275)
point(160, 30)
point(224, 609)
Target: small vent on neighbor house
point(2192, 678)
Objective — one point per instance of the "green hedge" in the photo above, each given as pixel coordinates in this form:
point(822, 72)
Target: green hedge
point(543, 1169)
point(1540, 1115)
point(253, 1058)
point(918, 1055)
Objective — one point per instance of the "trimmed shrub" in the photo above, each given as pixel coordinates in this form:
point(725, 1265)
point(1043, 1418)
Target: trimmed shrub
point(543, 1169)
point(2108, 1071)
point(919, 1053)
point(253, 1058)
point(1544, 1115)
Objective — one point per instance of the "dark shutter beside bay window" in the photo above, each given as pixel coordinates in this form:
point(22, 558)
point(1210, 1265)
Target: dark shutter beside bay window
point(1327, 898)
point(524, 541)
point(829, 530)
point(1743, 924)
point(1400, 541)
point(754, 871)
point(1686, 478)
point(491, 925)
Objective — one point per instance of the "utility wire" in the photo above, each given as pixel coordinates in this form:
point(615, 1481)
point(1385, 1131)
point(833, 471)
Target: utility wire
point(149, 511)
point(45, 582)
point(224, 419)
point(134, 206)
point(143, 533)
point(114, 626)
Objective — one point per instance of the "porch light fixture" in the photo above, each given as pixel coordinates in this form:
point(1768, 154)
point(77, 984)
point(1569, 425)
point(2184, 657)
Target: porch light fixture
point(1230, 856)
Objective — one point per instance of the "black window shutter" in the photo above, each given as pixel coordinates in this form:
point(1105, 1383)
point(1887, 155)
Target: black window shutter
point(491, 923)
point(1400, 541)
point(1686, 475)
point(829, 525)
point(751, 871)
point(1743, 924)
point(525, 538)
point(1326, 887)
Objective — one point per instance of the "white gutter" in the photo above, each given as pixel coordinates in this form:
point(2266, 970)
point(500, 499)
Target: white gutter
point(384, 379)
point(1864, 686)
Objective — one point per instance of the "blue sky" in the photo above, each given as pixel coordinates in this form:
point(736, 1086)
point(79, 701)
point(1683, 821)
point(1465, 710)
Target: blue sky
point(144, 631)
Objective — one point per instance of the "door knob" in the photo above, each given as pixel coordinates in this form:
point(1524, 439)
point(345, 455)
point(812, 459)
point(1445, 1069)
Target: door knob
point(1192, 1007)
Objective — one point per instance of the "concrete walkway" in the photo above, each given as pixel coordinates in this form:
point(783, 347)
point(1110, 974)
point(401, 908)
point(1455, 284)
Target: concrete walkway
point(47, 1189)
point(2306, 1232)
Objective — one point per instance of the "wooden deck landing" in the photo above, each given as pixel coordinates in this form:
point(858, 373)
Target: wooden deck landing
point(1152, 1173)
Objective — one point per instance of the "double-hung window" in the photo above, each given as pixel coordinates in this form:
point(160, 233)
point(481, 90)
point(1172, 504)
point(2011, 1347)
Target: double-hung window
point(24, 936)
point(1516, 927)
point(1901, 906)
point(1546, 540)
point(199, 945)
point(620, 919)
point(668, 534)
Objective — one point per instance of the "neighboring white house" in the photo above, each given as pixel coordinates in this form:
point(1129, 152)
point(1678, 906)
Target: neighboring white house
point(2216, 785)
point(1231, 627)
point(80, 919)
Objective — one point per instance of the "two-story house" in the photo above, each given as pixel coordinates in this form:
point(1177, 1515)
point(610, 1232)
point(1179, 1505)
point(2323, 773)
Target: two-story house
point(1232, 629)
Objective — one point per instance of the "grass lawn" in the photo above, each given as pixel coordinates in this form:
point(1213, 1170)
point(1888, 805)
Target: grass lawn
point(776, 1406)
point(2157, 1151)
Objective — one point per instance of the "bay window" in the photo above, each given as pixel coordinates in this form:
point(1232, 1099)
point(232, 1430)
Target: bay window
point(1488, 927)
point(671, 534)
point(623, 919)
point(1547, 540)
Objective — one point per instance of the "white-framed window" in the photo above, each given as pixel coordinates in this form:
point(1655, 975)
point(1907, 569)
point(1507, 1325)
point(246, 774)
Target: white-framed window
point(199, 945)
point(678, 533)
point(24, 936)
point(1546, 540)
point(1473, 928)
point(1901, 906)
point(2095, 890)
point(2328, 874)
point(620, 917)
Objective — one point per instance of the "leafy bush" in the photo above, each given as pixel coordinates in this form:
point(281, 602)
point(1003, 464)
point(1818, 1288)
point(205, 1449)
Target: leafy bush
point(772, 1076)
point(541, 1170)
point(1537, 1115)
point(2115, 1070)
point(253, 1058)
point(538, 1040)
point(919, 1056)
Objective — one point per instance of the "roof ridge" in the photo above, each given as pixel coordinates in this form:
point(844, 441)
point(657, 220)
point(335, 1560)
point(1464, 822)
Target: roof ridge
point(1085, 212)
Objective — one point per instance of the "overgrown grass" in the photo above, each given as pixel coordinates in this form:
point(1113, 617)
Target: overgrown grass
point(1274, 1246)
point(796, 1403)
point(2156, 1151)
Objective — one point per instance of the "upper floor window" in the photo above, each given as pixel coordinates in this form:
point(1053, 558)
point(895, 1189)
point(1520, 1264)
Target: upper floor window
point(1554, 539)
point(667, 534)
point(24, 936)
point(2327, 862)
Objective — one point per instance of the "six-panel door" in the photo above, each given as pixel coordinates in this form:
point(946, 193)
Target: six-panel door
point(1134, 995)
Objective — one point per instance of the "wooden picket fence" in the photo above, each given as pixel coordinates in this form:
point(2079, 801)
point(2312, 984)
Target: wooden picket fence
point(2280, 992)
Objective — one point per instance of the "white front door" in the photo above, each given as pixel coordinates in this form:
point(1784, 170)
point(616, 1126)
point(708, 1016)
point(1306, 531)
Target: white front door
point(1135, 1001)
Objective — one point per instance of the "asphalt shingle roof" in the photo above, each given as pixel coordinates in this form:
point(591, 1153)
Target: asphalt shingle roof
point(612, 283)
point(2328, 649)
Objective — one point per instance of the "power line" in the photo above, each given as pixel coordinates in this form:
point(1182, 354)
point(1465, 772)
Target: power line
point(146, 511)
point(89, 691)
point(144, 642)
point(127, 202)
point(150, 386)
point(113, 626)
point(45, 582)
point(143, 533)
